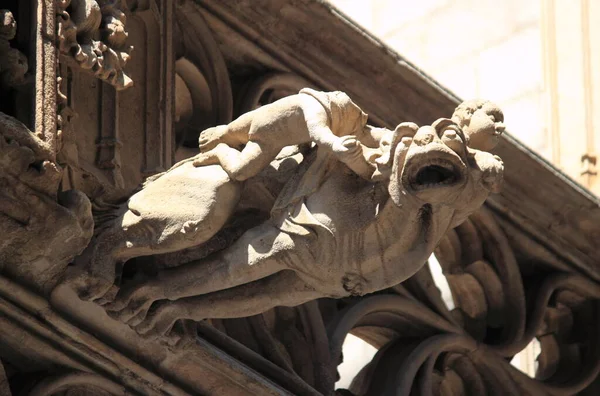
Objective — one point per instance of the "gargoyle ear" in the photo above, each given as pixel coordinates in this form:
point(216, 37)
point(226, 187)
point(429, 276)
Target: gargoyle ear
point(405, 129)
point(441, 124)
point(389, 142)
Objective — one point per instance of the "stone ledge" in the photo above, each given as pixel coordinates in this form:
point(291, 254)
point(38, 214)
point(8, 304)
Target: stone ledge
point(43, 337)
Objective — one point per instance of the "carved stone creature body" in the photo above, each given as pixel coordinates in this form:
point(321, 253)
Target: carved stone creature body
point(172, 213)
point(325, 118)
point(342, 236)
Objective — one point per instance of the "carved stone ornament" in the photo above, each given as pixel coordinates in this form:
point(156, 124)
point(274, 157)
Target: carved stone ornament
point(42, 228)
point(362, 211)
point(13, 63)
point(426, 348)
point(92, 34)
point(274, 182)
point(77, 383)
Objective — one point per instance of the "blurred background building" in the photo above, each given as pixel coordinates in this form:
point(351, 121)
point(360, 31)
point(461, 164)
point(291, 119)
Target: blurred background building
point(538, 59)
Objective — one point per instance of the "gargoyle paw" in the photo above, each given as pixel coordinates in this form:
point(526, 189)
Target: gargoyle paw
point(133, 301)
point(159, 320)
point(183, 333)
point(346, 147)
point(203, 159)
point(88, 287)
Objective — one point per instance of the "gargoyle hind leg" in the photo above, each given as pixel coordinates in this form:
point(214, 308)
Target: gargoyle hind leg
point(239, 165)
point(284, 288)
point(254, 256)
point(93, 274)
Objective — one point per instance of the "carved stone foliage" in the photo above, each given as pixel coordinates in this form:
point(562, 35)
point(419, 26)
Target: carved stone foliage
point(426, 349)
point(43, 228)
point(134, 122)
point(92, 33)
point(13, 63)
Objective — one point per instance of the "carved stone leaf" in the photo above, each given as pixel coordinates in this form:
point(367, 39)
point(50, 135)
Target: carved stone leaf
point(92, 34)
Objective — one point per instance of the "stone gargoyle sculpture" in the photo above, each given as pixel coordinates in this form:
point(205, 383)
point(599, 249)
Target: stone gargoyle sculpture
point(342, 224)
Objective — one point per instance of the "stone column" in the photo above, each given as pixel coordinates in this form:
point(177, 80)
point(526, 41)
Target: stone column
point(572, 79)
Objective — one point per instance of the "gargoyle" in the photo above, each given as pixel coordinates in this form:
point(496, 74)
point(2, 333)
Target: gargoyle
point(330, 234)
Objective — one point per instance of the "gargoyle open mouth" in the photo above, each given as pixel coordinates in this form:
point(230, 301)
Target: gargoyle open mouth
point(436, 172)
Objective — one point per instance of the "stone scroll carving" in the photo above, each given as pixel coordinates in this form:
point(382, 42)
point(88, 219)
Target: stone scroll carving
point(40, 225)
point(361, 212)
point(92, 34)
point(426, 348)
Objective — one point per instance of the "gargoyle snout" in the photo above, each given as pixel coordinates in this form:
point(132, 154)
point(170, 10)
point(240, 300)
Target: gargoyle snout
point(425, 135)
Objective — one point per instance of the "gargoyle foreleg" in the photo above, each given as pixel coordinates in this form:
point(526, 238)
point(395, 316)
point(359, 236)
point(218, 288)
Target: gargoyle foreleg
point(234, 134)
point(282, 289)
point(95, 269)
point(252, 257)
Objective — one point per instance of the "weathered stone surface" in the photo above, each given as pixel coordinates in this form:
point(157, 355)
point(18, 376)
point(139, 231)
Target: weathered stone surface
point(330, 233)
point(13, 63)
point(311, 241)
point(92, 34)
point(43, 228)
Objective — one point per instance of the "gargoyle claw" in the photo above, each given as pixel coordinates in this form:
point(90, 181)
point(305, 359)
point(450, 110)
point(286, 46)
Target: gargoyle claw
point(134, 300)
point(87, 287)
point(159, 321)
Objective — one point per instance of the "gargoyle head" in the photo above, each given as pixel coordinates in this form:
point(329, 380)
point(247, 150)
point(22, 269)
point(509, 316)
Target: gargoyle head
point(434, 164)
